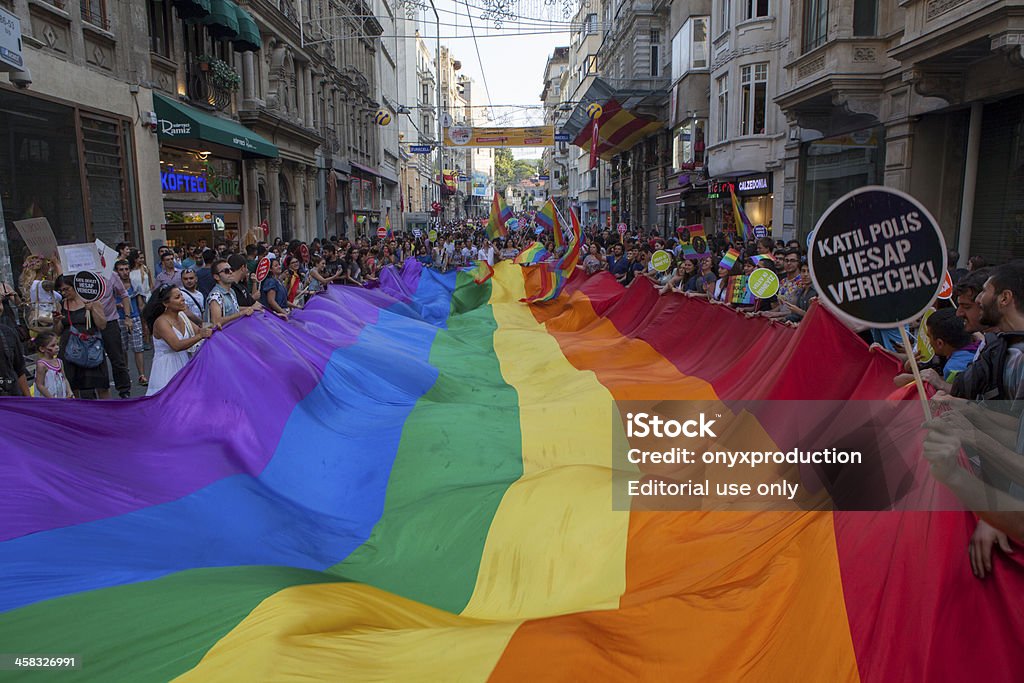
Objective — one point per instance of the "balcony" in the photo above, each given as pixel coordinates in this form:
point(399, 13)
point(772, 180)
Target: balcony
point(206, 86)
point(837, 85)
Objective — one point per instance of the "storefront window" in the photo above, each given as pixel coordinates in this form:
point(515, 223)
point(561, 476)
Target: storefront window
point(834, 166)
point(68, 166)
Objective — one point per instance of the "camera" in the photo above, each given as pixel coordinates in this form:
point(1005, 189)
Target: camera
point(21, 79)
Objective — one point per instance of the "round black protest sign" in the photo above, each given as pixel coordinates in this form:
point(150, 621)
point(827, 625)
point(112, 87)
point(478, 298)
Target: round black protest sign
point(89, 285)
point(877, 257)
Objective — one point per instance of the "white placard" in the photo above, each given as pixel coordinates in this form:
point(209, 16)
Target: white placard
point(76, 257)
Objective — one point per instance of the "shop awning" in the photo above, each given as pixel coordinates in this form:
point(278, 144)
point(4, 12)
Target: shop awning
point(667, 198)
point(222, 22)
point(248, 38)
point(192, 9)
point(179, 122)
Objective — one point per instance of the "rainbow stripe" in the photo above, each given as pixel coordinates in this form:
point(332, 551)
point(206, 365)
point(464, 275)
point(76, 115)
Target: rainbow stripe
point(757, 258)
point(535, 253)
point(412, 483)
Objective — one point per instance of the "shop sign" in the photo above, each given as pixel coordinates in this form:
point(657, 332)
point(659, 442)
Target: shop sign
point(754, 185)
point(177, 181)
point(718, 189)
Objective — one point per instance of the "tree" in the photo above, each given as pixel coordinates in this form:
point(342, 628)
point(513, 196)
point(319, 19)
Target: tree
point(510, 171)
point(504, 169)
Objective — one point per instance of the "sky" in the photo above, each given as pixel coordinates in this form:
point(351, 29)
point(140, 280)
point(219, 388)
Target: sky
point(509, 66)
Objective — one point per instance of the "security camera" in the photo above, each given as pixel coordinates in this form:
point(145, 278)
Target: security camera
point(21, 79)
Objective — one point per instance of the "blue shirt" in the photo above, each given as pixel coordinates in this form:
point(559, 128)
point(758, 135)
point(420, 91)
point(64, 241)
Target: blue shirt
point(133, 298)
point(618, 266)
point(280, 293)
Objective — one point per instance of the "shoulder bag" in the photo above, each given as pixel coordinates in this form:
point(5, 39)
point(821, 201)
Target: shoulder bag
point(83, 350)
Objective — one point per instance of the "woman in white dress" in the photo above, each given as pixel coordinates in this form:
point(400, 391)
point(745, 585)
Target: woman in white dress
point(173, 335)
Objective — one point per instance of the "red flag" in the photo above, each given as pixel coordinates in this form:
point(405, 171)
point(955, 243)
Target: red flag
point(593, 147)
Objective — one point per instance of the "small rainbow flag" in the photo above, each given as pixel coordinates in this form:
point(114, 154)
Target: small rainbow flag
point(743, 226)
point(757, 258)
point(535, 253)
point(548, 219)
point(500, 215)
point(729, 260)
point(387, 224)
point(739, 292)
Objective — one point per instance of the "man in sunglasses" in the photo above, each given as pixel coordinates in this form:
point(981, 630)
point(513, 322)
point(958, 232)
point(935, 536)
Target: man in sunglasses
point(223, 303)
point(244, 283)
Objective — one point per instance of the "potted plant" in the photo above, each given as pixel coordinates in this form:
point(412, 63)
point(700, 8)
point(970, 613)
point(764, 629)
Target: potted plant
point(224, 77)
point(204, 62)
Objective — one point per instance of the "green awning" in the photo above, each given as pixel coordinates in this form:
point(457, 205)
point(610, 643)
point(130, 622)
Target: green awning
point(248, 38)
point(178, 122)
point(192, 9)
point(222, 21)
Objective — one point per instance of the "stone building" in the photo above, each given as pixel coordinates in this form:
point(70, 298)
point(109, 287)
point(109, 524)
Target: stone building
point(77, 149)
point(923, 95)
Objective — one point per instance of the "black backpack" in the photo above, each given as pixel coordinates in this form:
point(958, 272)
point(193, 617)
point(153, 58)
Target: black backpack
point(983, 379)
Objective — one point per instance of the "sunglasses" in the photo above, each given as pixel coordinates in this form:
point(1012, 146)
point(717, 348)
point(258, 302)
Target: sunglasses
point(225, 271)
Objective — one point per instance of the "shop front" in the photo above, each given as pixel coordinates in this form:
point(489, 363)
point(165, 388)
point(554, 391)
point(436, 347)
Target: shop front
point(202, 172)
point(70, 165)
point(203, 198)
point(754, 193)
point(365, 199)
point(756, 197)
point(832, 166)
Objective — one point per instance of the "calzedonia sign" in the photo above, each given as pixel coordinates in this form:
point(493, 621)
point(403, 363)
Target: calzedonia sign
point(877, 257)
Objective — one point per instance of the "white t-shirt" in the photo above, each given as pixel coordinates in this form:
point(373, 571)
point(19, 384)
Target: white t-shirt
point(488, 255)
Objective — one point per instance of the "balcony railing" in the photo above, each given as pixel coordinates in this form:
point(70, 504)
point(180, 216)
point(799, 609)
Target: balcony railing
point(202, 88)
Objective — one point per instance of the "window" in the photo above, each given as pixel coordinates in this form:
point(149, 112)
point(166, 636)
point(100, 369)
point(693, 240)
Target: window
point(159, 27)
point(655, 53)
point(865, 17)
point(557, 90)
point(426, 94)
point(815, 23)
point(723, 108)
point(699, 53)
point(591, 65)
point(690, 47)
point(95, 12)
point(754, 94)
point(724, 15)
point(688, 145)
point(590, 24)
point(756, 9)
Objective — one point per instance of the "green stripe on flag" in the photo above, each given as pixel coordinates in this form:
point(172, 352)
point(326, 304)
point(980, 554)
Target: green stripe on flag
point(148, 631)
point(461, 448)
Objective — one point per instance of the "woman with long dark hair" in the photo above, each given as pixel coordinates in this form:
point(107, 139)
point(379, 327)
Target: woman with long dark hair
point(85, 320)
point(173, 335)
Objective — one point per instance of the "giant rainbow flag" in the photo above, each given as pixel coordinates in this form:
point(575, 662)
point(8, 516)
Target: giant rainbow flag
point(411, 484)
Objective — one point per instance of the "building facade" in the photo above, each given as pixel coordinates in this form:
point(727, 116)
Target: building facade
point(926, 96)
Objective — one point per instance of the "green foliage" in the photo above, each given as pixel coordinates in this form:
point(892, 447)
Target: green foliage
point(509, 171)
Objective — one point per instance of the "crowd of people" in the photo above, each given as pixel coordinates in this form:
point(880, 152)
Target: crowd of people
point(976, 338)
